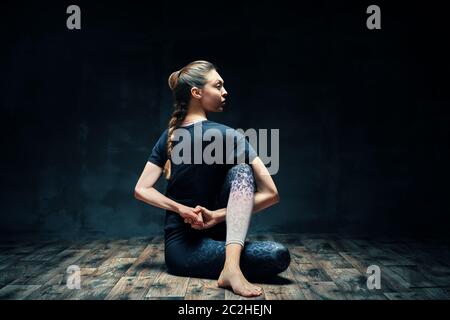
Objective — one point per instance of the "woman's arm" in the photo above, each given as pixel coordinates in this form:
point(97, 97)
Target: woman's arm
point(266, 194)
point(145, 192)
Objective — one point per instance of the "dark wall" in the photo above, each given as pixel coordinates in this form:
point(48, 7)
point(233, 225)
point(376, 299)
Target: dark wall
point(363, 115)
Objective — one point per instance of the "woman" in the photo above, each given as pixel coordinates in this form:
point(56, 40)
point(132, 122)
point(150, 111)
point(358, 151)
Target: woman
point(208, 206)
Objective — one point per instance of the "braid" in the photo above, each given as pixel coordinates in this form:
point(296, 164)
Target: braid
point(176, 119)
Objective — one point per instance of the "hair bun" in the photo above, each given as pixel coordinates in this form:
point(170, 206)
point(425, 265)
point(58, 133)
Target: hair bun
point(173, 79)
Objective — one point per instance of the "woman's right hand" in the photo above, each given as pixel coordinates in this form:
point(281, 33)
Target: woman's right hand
point(191, 215)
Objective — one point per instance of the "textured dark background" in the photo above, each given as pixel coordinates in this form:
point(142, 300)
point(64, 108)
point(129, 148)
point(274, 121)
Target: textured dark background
point(363, 115)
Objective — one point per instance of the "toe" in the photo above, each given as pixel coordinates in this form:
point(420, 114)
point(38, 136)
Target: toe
point(255, 291)
point(248, 293)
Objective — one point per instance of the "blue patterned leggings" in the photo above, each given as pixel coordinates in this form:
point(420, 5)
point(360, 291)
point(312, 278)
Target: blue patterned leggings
point(191, 253)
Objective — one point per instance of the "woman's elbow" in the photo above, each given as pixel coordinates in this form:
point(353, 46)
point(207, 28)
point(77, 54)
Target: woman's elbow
point(137, 193)
point(275, 197)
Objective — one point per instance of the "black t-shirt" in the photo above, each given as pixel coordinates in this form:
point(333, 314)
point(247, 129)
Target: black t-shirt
point(192, 183)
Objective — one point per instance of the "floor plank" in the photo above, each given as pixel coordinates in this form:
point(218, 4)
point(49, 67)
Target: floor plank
point(204, 289)
point(130, 288)
point(324, 290)
point(287, 291)
point(17, 292)
point(167, 286)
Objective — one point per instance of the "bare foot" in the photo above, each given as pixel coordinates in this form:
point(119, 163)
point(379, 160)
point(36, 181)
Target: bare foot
point(233, 277)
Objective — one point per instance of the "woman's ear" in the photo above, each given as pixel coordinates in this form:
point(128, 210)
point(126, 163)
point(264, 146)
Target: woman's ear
point(196, 92)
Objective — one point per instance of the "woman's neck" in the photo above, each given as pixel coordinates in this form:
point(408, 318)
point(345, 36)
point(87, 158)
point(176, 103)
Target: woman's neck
point(195, 115)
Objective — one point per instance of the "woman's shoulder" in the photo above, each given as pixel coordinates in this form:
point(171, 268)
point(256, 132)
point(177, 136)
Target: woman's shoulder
point(226, 130)
point(164, 133)
point(162, 139)
point(220, 126)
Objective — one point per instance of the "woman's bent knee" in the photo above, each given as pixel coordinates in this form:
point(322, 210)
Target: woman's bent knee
point(282, 258)
point(265, 259)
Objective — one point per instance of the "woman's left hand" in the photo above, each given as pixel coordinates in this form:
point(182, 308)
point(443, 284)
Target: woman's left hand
point(210, 218)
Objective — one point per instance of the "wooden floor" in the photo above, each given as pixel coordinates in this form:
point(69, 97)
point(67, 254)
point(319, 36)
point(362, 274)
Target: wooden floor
point(322, 267)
